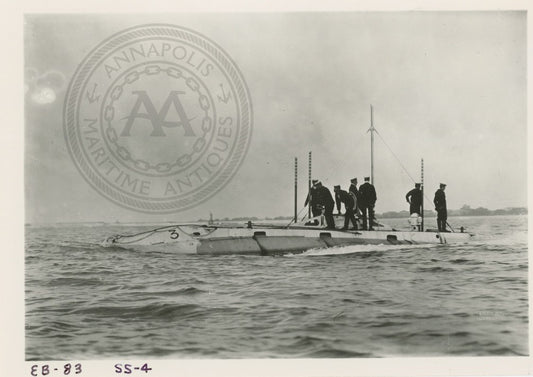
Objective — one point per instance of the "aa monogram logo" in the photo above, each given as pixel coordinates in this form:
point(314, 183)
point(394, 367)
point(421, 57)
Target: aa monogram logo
point(157, 118)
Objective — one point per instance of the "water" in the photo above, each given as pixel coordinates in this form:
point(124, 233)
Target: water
point(87, 302)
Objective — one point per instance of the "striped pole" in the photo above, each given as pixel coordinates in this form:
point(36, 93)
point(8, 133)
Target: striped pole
point(310, 199)
point(295, 189)
point(422, 188)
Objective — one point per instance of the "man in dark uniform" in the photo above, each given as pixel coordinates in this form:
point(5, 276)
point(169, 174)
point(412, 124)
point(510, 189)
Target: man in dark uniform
point(312, 199)
point(342, 196)
point(325, 199)
point(440, 207)
point(414, 198)
point(356, 196)
point(367, 203)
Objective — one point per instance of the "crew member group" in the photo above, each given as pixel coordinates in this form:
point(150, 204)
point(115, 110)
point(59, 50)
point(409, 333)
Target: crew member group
point(359, 203)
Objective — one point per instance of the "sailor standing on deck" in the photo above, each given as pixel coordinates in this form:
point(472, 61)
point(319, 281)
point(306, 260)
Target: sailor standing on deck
point(342, 196)
point(414, 198)
point(312, 199)
point(356, 196)
point(325, 199)
point(367, 203)
point(440, 207)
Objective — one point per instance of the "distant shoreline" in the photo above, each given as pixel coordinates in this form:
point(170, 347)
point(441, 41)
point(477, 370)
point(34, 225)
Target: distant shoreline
point(465, 211)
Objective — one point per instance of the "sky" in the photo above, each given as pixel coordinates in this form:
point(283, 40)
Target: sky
point(448, 87)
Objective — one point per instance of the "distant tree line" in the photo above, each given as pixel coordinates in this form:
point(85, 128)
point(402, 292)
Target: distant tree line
point(465, 210)
point(251, 218)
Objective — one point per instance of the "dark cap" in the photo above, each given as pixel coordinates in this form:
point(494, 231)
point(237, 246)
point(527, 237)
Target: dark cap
point(367, 178)
point(418, 184)
point(338, 187)
point(443, 185)
point(353, 180)
point(314, 181)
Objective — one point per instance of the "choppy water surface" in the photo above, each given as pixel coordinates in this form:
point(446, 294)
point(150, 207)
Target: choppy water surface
point(85, 302)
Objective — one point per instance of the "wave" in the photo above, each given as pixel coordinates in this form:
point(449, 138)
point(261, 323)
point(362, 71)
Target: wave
point(159, 310)
point(76, 282)
point(386, 324)
point(352, 249)
point(435, 269)
point(178, 292)
point(337, 353)
point(466, 261)
point(303, 341)
point(507, 239)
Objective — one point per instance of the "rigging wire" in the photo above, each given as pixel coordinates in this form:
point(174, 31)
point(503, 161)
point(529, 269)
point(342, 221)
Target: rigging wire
point(298, 215)
point(399, 161)
point(396, 157)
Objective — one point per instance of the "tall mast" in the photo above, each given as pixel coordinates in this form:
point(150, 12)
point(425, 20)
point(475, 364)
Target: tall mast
point(371, 129)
